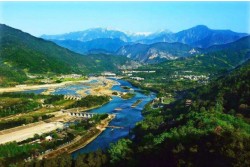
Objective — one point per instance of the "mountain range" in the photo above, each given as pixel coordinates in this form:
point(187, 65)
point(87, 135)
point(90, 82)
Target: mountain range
point(106, 45)
point(157, 52)
point(198, 36)
point(22, 53)
point(144, 47)
point(211, 61)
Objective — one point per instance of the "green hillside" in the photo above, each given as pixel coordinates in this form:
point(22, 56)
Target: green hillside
point(214, 130)
point(22, 53)
point(172, 75)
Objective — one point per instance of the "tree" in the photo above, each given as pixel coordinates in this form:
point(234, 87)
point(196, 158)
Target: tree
point(120, 151)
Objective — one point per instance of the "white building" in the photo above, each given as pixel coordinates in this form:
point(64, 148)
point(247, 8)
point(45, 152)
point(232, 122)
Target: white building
point(108, 74)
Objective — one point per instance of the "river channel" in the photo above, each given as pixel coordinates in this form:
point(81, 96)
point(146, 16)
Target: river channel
point(126, 117)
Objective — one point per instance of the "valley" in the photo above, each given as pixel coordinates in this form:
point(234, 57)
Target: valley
point(104, 97)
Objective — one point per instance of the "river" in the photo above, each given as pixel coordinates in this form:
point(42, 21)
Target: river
point(127, 117)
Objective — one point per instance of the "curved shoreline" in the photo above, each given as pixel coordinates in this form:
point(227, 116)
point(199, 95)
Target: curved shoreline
point(80, 141)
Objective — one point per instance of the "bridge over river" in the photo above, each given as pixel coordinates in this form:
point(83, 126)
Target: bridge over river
point(76, 113)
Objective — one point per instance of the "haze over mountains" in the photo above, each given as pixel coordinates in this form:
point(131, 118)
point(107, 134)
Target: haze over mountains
point(143, 47)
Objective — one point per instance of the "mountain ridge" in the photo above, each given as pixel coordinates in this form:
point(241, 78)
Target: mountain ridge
point(117, 42)
point(22, 53)
point(196, 36)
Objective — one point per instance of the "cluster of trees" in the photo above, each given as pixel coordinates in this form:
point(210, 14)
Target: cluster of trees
point(128, 95)
point(93, 159)
point(91, 101)
point(12, 152)
point(97, 118)
point(10, 76)
point(232, 91)
point(5, 124)
point(53, 98)
point(15, 103)
point(25, 105)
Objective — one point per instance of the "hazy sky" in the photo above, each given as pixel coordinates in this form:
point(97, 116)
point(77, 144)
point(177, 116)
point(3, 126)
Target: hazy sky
point(39, 18)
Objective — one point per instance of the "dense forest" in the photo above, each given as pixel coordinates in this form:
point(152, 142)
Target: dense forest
point(91, 101)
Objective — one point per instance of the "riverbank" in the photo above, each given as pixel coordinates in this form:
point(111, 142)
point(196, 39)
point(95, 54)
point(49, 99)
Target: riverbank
point(34, 87)
point(80, 141)
point(108, 84)
point(144, 89)
point(100, 89)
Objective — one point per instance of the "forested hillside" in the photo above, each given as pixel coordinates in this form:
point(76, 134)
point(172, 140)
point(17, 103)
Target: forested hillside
point(214, 130)
point(22, 53)
point(189, 72)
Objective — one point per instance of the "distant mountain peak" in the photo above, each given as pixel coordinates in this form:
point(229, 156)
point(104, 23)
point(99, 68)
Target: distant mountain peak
point(163, 31)
point(197, 36)
point(139, 33)
point(201, 27)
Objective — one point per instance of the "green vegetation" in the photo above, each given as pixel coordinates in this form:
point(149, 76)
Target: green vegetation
point(207, 125)
point(194, 71)
point(97, 118)
point(11, 123)
point(11, 106)
point(212, 131)
point(125, 87)
point(120, 151)
point(94, 159)
point(22, 53)
point(25, 108)
point(91, 101)
point(13, 151)
point(136, 103)
point(81, 127)
point(128, 96)
point(17, 103)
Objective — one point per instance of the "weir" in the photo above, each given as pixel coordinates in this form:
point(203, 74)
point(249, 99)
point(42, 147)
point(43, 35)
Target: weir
point(81, 114)
point(76, 113)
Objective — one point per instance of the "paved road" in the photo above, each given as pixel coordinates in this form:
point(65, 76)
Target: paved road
point(29, 132)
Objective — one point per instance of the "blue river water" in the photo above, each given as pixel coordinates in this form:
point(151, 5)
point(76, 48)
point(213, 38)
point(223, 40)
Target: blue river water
point(65, 90)
point(69, 90)
point(127, 118)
